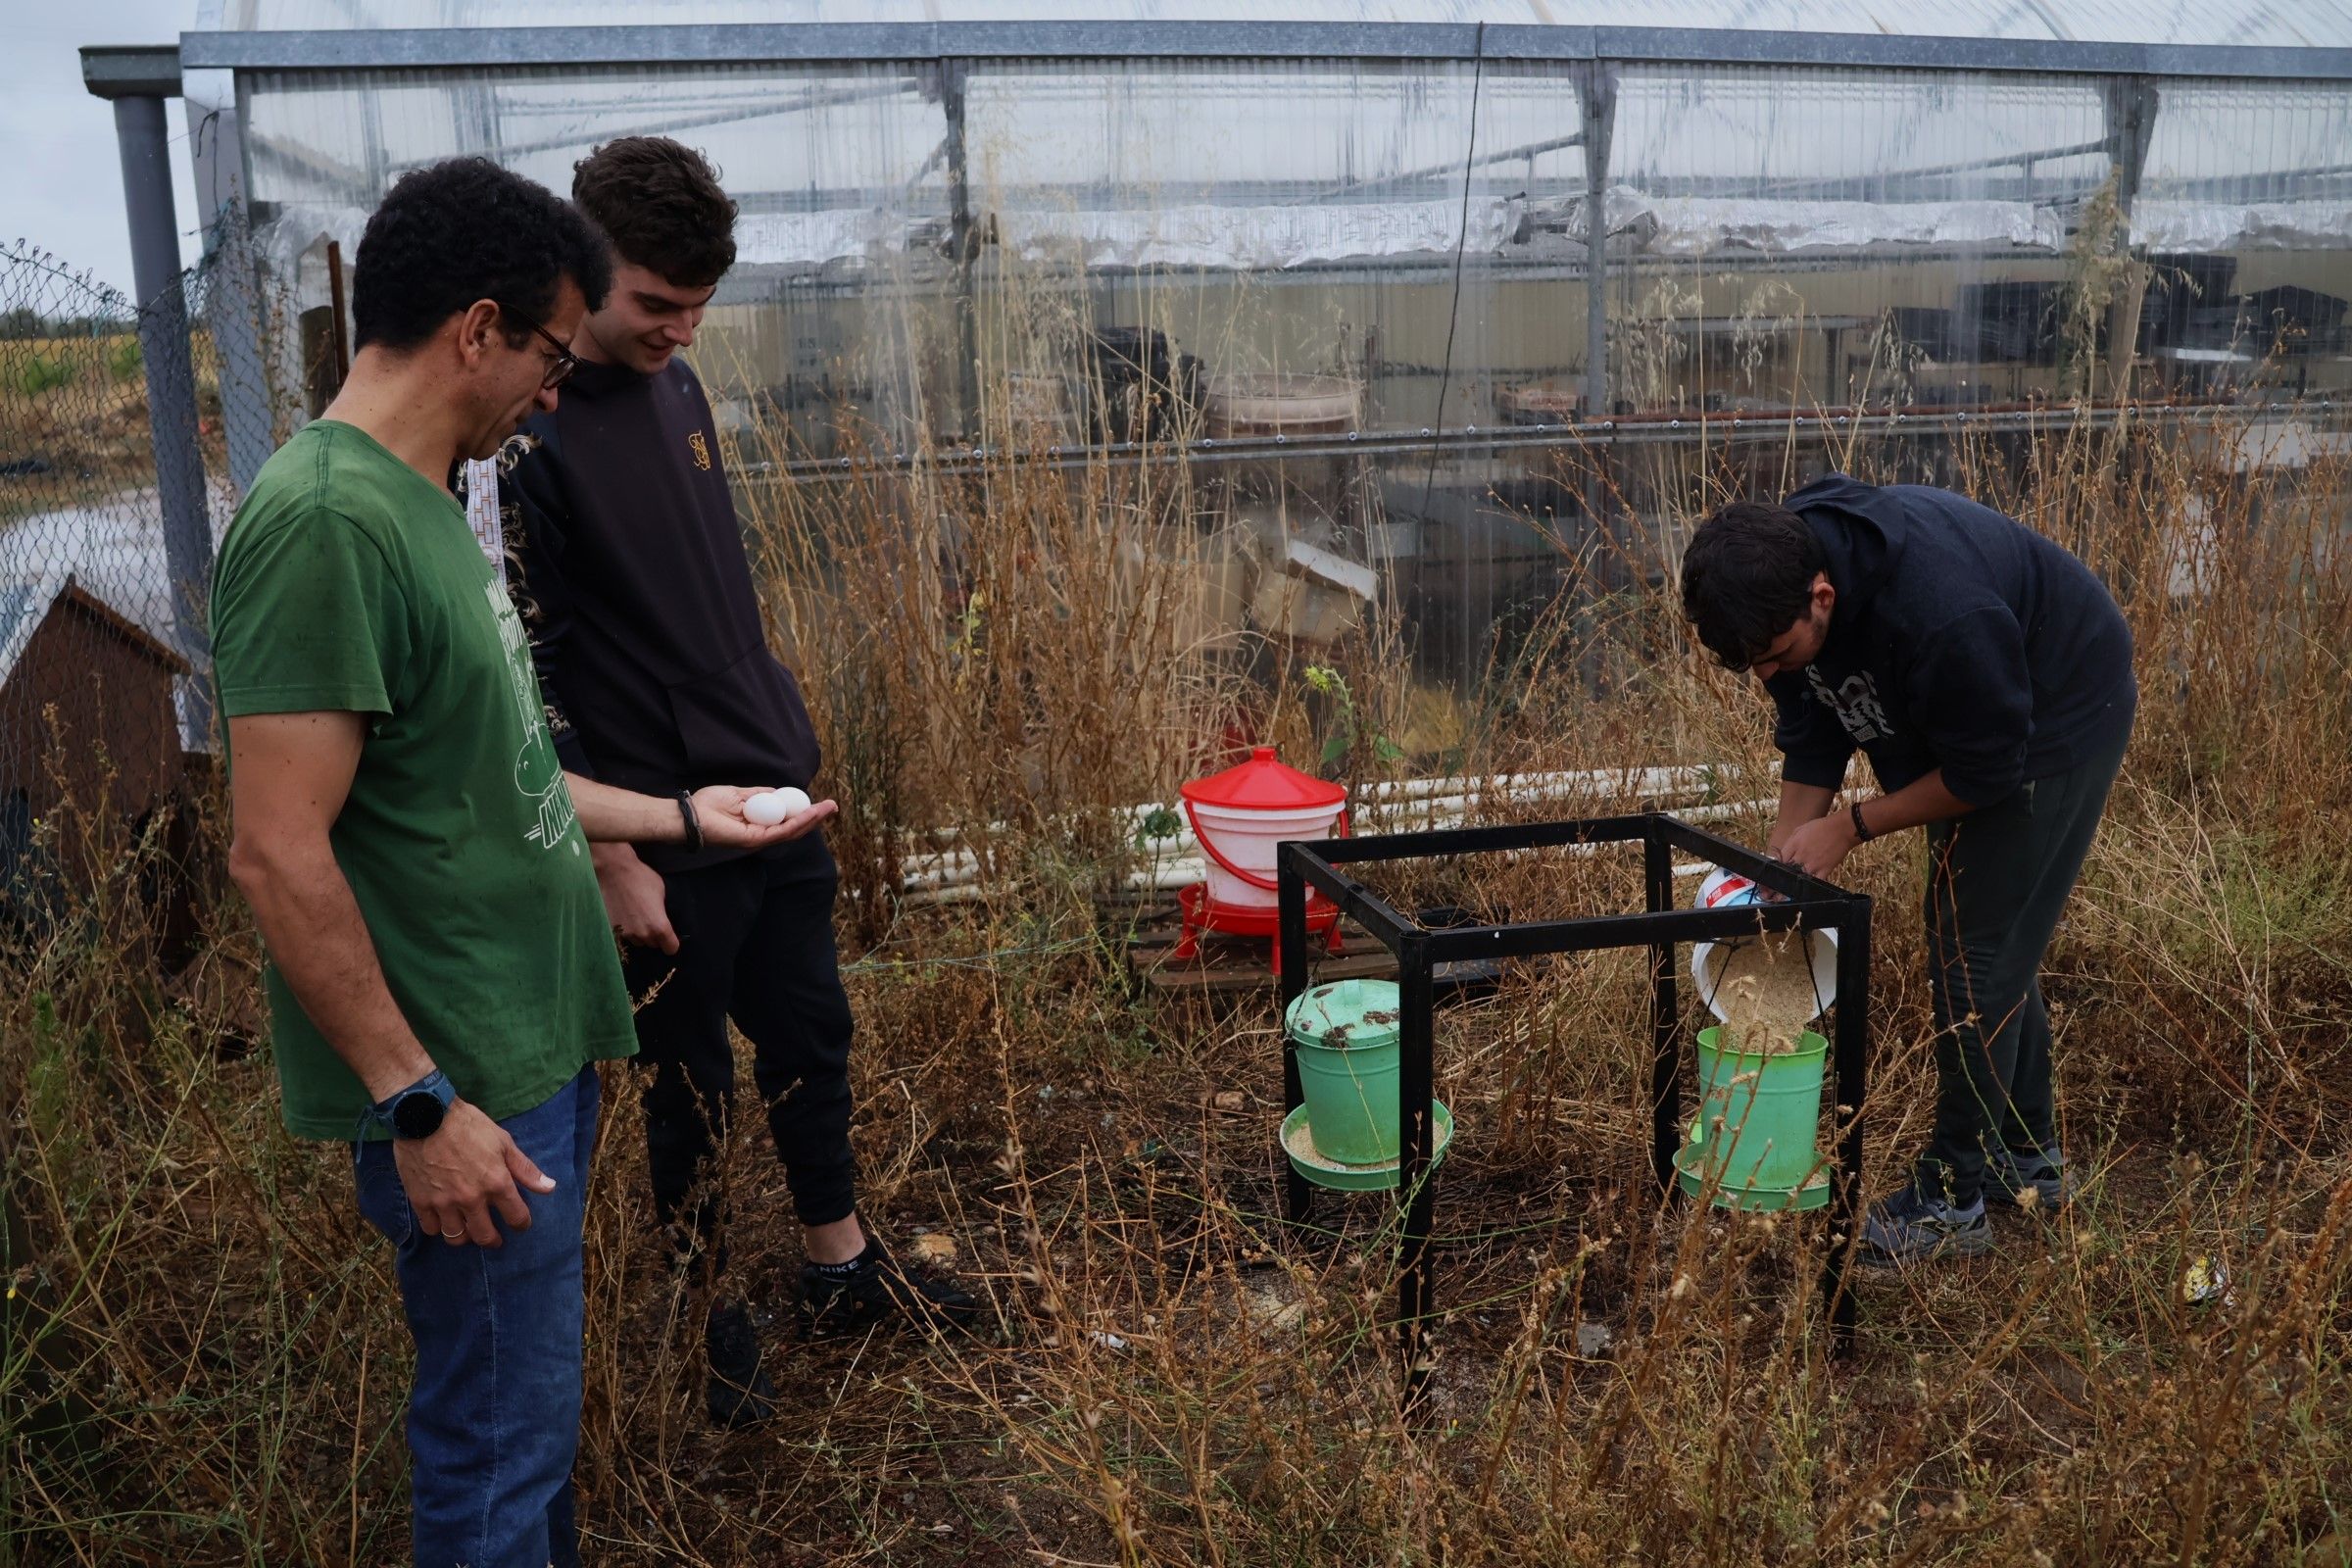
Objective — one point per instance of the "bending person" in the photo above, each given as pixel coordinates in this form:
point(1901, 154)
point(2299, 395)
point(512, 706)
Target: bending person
point(1987, 674)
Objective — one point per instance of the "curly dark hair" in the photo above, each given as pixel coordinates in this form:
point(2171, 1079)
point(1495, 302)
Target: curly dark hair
point(463, 230)
point(1747, 576)
point(661, 203)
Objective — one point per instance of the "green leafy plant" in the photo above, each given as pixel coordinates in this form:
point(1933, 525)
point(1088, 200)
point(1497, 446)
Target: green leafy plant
point(1349, 728)
point(1161, 822)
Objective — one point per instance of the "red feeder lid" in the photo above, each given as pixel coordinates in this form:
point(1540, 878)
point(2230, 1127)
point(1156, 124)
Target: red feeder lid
point(1263, 784)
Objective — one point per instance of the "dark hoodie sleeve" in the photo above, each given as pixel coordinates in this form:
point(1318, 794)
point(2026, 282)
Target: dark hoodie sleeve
point(1973, 699)
point(536, 580)
point(1814, 746)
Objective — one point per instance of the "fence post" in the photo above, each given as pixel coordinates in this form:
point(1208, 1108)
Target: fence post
point(1596, 88)
point(234, 312)
point(138, 82)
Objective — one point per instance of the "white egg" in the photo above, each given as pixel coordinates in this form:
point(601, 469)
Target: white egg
point(773, 807)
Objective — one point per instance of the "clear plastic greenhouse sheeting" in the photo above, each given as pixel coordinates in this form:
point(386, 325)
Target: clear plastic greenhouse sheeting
point(787, 138)
point(1283, 165)
point(2309, 24)
point(1269, 260)
point(1778, 237)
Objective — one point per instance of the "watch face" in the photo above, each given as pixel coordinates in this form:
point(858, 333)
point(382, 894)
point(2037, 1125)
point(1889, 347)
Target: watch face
point(416, 1115)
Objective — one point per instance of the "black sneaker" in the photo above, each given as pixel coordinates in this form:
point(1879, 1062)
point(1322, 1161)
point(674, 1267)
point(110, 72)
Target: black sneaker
point(875, 1290)
point(2031, 1178)
point(1912, 1227)
point(740, 1394)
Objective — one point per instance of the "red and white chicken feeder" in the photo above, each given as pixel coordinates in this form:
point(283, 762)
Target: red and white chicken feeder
point(1240, 816)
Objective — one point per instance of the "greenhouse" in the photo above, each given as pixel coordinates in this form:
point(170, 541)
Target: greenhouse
point(1091, 832)
point(1429, 302)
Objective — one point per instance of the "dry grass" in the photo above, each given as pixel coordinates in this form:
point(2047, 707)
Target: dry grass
point(205, 1356)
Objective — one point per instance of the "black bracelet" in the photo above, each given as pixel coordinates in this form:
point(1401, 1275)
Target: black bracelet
point(693, 823)
point(1862, 832)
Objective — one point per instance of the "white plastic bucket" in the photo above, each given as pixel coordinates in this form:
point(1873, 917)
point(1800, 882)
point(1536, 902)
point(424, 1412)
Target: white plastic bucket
point(1724, 889)
point(1248, 839)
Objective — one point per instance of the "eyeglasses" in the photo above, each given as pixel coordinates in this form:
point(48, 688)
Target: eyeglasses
point(558, 368)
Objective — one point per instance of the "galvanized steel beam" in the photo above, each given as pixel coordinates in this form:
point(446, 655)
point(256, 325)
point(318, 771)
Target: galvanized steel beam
point(460, 48)
point(138, 82)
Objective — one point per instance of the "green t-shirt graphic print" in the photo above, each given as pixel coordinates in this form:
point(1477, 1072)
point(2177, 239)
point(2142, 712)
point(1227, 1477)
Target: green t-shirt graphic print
point(350, 582)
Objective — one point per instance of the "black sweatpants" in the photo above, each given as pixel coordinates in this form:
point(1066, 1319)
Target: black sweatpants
point(1997, 882)
point(755, 945)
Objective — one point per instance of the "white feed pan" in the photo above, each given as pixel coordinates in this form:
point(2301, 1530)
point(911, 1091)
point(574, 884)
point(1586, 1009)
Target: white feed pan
point(1708, 959)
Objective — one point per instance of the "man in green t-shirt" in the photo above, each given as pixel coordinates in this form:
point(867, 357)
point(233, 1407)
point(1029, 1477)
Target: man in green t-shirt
point(442, 977)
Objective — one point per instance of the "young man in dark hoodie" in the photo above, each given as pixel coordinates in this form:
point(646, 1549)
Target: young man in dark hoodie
point(630, 573)
point(1987, 674)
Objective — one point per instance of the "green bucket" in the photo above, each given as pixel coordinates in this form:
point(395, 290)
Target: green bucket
point(1758, 1117)
point(1345, 1036)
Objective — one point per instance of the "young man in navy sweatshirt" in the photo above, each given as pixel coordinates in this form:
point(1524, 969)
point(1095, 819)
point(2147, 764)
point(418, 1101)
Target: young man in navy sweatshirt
point(629, 568)
point(1987, 674)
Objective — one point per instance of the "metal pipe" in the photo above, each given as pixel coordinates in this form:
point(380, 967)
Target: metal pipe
point(812, 43)
point(140, 128)
point(1592, 435)
point(1527, 149)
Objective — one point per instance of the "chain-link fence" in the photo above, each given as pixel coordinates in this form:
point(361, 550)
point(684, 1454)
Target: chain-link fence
point(106, 534)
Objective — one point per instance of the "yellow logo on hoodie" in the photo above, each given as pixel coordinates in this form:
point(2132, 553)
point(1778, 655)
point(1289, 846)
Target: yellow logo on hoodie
point(700, 448)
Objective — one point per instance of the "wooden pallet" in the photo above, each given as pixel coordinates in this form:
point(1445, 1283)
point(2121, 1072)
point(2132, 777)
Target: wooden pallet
point(1227, 965)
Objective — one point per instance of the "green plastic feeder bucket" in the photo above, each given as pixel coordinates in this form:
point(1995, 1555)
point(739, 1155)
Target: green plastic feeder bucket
point(1345, 1036)
point(1757, 1116)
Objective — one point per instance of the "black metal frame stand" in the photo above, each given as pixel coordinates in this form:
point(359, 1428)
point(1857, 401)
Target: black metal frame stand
point(1809, 904)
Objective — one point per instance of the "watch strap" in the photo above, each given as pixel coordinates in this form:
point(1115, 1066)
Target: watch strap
point(1862, 832)
point(435, 1083)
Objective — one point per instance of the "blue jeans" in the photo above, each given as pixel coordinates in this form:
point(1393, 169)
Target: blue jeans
point(494, 1419)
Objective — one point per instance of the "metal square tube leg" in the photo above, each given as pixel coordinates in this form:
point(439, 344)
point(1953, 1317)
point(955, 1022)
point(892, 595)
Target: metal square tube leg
point(1851, 1060)
point(1416, 1180)
point(1665, 1044)
point(1291, 910)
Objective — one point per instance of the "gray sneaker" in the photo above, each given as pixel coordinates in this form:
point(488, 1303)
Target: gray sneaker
point(2032, 1179)
point(1911, 1227)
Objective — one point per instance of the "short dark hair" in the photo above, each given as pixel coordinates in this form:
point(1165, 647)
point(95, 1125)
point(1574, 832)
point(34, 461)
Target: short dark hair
point(462, 230)
point(1748, 578)
point(661, 203)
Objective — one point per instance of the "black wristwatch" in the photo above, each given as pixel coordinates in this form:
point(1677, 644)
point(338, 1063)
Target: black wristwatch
point(416, 1111)
point(1862, 832)
point(693, 823)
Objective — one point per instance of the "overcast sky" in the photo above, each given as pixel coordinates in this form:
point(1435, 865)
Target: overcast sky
point(61, 176)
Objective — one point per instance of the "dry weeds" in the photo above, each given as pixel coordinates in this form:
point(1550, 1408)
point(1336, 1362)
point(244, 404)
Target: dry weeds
point(205, 1355)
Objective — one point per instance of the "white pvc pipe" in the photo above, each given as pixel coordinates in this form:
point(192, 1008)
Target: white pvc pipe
point(1650, 782)
point(1173, 861)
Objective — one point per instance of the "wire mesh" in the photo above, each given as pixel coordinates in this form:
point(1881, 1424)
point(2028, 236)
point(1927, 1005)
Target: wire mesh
point(102, 645)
